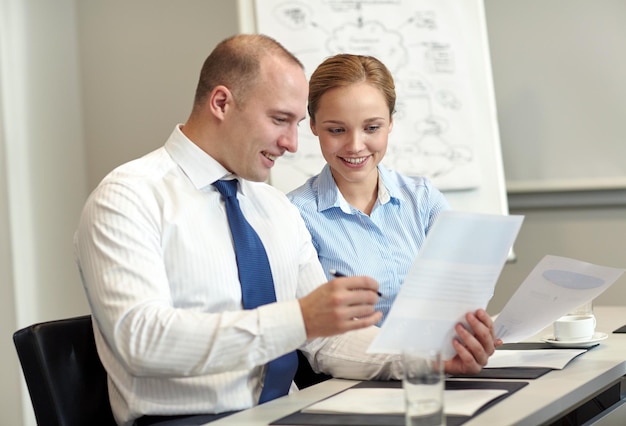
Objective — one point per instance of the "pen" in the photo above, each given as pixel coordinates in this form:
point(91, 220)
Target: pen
point(336, 274)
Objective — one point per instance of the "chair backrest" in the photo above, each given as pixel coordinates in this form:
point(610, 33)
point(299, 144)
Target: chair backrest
point(305, 376)
point(65, 378)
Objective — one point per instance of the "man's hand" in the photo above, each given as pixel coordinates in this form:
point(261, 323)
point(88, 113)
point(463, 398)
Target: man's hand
point(473, 346)
point(340, 305)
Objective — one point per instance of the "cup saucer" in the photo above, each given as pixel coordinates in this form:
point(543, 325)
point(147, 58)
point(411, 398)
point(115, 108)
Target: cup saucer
point(596, 338)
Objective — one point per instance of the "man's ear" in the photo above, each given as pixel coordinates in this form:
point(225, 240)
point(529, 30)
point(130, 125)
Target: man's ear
point(312, 126)
point(220, 100)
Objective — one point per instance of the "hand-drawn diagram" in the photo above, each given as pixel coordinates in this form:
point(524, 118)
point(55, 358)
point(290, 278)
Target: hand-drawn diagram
point(422, 44)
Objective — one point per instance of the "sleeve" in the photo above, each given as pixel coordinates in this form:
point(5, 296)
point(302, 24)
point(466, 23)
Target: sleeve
point(345, 356)
point(437, 203)
point(119, 251)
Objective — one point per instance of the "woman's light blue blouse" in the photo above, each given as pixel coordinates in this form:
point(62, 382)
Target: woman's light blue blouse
point(382, 245)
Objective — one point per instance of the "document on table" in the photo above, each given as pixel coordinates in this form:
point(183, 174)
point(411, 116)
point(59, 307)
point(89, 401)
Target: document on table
point(454, 273)
point(391, 401)
point(556, 359)
point(555, 287)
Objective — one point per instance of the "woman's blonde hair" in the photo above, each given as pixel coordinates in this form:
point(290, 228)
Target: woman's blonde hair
point(346, 69)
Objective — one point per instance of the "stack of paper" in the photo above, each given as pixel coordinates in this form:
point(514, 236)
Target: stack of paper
point(546, 358)
point(391, 401)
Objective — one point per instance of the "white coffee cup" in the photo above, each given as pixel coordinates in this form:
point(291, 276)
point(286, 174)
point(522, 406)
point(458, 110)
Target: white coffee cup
point(573, 328)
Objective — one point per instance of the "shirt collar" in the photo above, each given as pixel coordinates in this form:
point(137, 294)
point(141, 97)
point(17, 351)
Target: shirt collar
point(328, 193)
point(330, 196)
point(201, 169)
point(389, 187)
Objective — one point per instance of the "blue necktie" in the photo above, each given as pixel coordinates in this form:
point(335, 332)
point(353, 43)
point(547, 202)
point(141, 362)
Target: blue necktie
point(257, 286)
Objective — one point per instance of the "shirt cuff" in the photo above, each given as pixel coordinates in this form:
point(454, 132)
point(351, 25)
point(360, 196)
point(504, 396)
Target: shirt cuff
point(282, 326)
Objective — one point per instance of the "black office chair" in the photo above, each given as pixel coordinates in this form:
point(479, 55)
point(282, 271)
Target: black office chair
point(305, 376)
point(65, 379)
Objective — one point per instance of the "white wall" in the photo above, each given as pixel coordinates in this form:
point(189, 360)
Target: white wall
point(559, 70)
point(10, 397)
point(44, 174)
point(140, 61)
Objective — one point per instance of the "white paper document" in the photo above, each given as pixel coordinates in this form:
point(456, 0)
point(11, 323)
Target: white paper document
point(454, 273)
point(391, 401)
point(548, 358)
point(555, 287)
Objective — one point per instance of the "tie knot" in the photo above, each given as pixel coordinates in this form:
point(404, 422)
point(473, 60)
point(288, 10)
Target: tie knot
point(228, 188)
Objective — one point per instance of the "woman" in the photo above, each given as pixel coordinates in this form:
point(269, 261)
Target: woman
point(364, 219)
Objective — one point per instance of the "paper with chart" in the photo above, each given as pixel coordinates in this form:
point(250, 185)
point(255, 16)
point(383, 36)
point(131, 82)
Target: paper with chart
point(455, 272)
point(555, 286)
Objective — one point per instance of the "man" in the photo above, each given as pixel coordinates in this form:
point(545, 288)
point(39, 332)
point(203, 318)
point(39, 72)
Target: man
point(160, 271)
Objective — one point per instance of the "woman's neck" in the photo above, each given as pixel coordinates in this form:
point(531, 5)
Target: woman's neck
point(361, 195)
